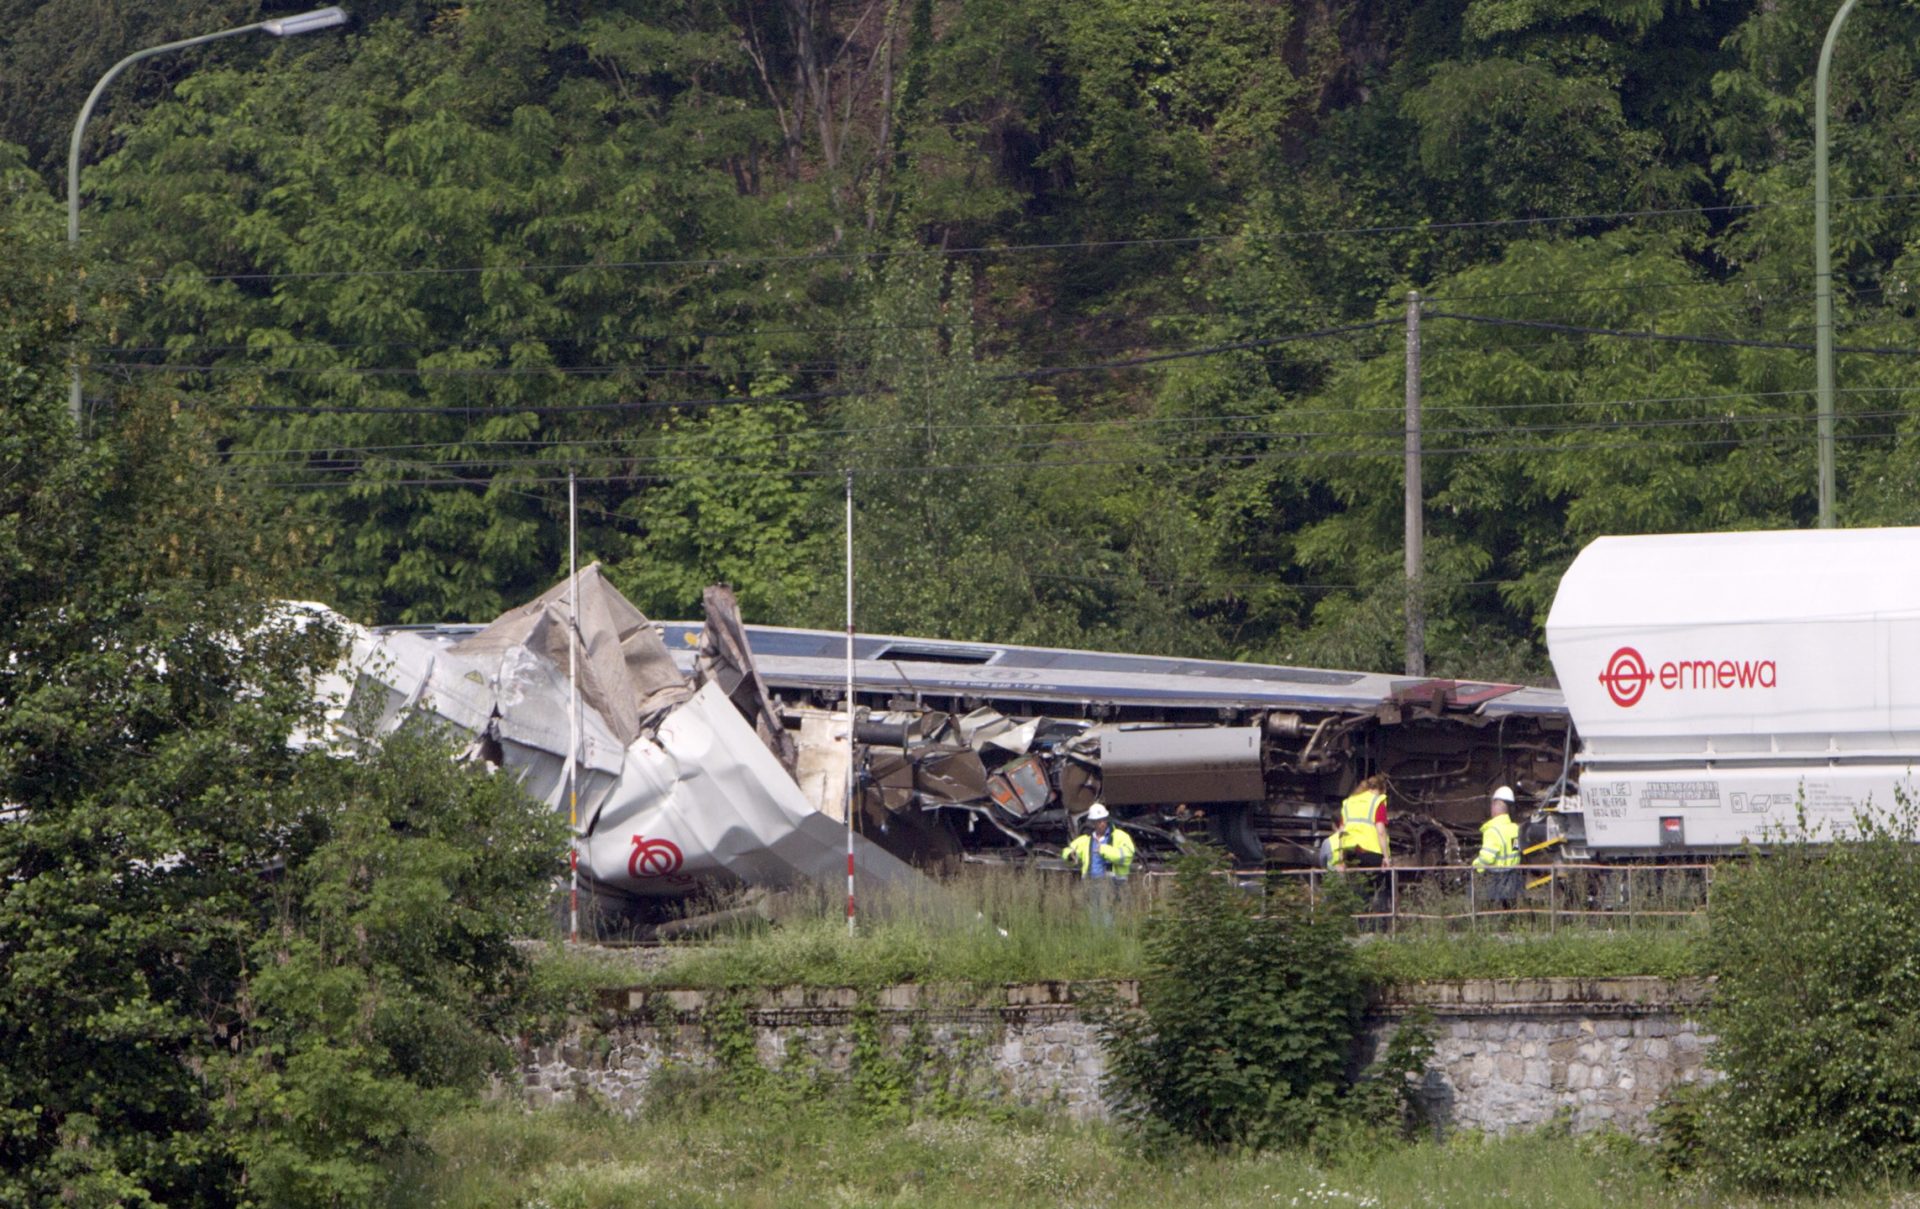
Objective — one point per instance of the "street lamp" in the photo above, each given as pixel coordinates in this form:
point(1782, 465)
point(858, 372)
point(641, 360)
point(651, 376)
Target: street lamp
point(1823, 271)
point(279, 27)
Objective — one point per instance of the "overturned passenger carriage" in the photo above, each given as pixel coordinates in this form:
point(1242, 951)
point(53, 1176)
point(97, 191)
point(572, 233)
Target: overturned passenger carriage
point(715, 753)
point(982, 750)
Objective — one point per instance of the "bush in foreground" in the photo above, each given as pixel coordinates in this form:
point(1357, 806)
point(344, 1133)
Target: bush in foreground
point(230, 972)
point(1248, 1012)
point(1816, 948)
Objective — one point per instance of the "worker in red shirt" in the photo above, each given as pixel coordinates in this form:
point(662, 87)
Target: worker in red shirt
point(1360, 842)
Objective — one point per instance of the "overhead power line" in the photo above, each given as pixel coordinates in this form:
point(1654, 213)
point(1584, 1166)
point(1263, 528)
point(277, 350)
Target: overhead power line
point(1176, 353)
point(520, 456)
point(108, 353)
point(1091, 245)
point(1026, 375)
point(369, 484)
point(1669, 337)
point(703, 335)
point(344, 449)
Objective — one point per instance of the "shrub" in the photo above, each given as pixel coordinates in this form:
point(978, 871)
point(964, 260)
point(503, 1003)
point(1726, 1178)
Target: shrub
point(1387, 1096)
point(1247, 1014)
point(1816, 948)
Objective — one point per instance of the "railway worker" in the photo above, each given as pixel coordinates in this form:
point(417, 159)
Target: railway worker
point(1500, 851)
point(1360, 842)
point(1105, 855)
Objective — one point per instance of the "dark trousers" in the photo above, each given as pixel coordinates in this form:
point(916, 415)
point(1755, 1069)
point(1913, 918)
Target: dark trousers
point(1370, 886)
point(1500, 888)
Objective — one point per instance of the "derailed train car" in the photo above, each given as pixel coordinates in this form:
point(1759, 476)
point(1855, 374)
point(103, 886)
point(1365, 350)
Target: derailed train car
point(714, 754)
point(990, 751)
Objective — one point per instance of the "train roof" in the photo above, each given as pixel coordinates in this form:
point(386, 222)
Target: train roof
point(816, 659)
point(1750, 577)
point(1773, 641)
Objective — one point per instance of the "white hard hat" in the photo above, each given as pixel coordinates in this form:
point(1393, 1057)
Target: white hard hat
point(1097, 813)
point(1503, 794)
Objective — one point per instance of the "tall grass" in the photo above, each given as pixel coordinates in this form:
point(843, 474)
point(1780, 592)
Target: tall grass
point(982, 925)
point(1567, 953)
point(993, 925)
point(734, 1155)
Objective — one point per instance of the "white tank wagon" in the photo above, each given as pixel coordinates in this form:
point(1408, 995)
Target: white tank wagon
point(1722, 683)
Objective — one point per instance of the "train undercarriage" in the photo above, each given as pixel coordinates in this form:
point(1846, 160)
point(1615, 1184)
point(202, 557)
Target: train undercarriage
point(953, 777)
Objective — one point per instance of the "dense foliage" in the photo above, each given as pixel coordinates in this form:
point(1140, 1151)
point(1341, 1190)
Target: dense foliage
point(1247, 1015)
point(231, 971)
point(1817, 1010)
point(1034, 270)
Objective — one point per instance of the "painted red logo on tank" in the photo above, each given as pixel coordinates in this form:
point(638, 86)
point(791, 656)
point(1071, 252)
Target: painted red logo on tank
point(653, 858)
point(1628, 675)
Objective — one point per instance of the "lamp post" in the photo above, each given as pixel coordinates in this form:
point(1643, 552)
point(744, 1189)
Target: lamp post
point(1823, 271)
point(279, 27)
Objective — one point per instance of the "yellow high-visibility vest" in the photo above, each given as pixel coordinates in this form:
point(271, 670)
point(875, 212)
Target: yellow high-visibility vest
point(1499, 844)
point(1117, 852)
point(1356, 823)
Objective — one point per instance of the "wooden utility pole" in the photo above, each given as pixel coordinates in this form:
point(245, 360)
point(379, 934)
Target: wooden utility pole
point(1416, 521)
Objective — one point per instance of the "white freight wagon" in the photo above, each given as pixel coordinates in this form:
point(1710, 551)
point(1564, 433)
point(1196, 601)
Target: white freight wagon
point(1723, 683)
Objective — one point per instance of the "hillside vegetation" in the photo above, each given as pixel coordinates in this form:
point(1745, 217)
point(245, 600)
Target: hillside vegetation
point(1100, 300)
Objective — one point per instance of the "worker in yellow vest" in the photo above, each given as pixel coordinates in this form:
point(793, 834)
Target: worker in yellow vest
point(1105, 856)
point(1360, 842)
point(1102, 850)
point(1500, 851)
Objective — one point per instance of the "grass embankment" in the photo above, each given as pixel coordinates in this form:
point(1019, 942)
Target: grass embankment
point(1568, 953)
point(732, 1155)
point(997, 926)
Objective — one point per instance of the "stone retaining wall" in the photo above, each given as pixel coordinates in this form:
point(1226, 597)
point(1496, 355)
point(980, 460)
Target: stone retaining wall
point(1509, 1054)
point(1521, 1053)
point(1027, 1042)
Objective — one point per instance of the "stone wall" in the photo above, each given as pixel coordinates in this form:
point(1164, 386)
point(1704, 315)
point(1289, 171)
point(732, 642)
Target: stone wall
point(1030, 1043)
point(1521, 1053)
point(1509, 1054)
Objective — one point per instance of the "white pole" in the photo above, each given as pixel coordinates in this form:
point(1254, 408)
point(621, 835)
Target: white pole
point(850, 704)
point(573, 716)
point(1415, 543)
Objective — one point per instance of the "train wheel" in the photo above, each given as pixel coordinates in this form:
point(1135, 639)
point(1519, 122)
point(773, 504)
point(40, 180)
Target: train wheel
point(1231, 826)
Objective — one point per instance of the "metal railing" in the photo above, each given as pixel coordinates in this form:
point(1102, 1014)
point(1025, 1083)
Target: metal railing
point(1544, 897)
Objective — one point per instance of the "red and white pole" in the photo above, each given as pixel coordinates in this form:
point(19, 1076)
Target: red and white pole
point(573, 719)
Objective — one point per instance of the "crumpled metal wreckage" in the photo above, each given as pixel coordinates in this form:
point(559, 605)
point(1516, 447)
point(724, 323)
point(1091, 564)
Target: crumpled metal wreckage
point(684, 783)
point(690, 780)
point(700, 769)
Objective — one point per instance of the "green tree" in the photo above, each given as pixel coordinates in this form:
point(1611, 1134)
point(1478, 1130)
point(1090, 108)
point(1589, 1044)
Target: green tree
point(742, 501)
point(1815, 955)
point(222, 959)
point(384, 987)
point(424, 283)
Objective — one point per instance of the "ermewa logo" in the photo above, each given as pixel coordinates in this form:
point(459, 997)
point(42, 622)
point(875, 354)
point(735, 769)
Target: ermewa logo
point(1629, 675)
